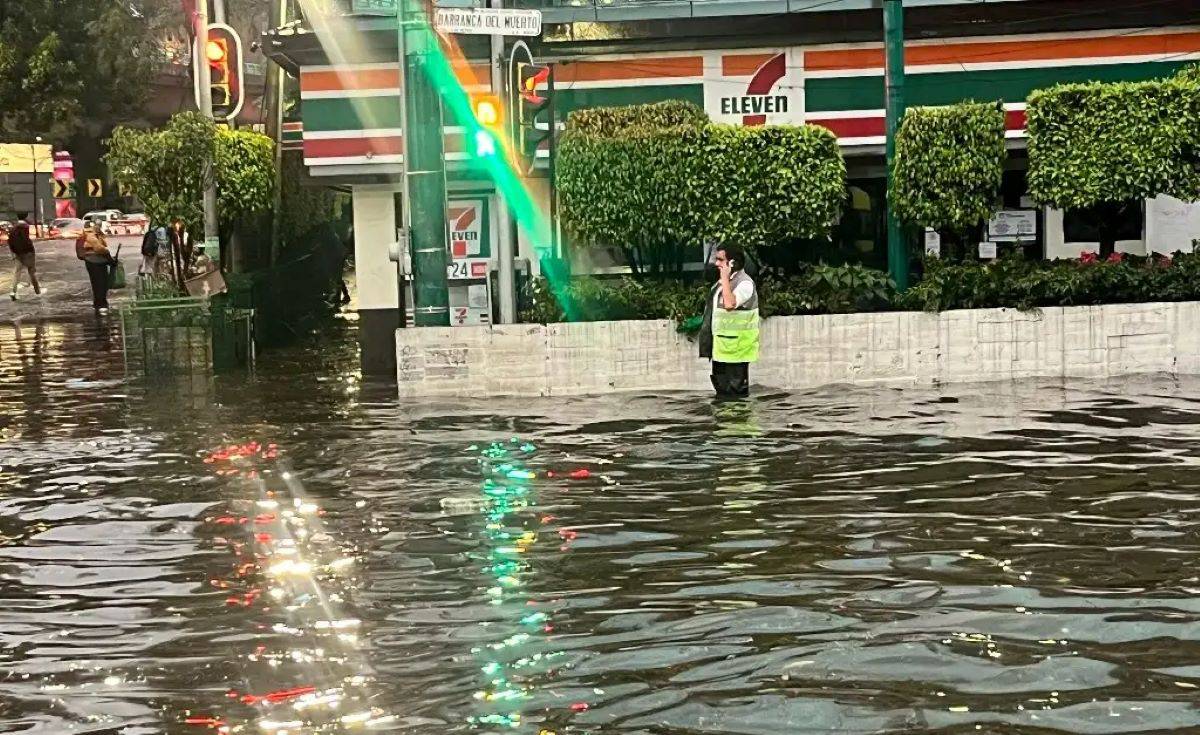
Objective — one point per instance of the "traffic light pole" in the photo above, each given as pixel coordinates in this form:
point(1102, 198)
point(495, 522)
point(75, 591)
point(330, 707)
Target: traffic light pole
point(507, 280)
point(274, 107)
point(893, 31)
point(204, 82)
point(424, 167)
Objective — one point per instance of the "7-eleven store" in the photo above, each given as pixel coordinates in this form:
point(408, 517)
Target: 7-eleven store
point(351, 132)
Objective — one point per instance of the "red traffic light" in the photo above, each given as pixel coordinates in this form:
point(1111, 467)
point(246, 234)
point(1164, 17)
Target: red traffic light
point(530, 84)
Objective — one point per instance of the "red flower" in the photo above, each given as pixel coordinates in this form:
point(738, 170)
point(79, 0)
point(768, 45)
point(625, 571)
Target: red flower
point(1116, 257)
point(1087, 257)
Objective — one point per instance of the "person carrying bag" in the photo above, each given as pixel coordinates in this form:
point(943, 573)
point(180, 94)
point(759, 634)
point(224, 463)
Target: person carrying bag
point(92, 249)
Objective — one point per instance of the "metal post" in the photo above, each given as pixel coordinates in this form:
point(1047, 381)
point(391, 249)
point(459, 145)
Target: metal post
point(508, 288)
point(893, 31)
point(424, 167)
point(36, 209)
point(274, 107)
point(204, 82)
point(555, 245)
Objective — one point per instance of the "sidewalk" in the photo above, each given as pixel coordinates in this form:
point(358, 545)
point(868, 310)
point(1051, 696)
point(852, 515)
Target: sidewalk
point(64, 281)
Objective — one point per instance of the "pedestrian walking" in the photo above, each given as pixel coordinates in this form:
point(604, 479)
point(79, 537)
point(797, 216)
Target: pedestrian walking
point(156, 249)
point(729, 335)
point(21, 245)
point(93, 250)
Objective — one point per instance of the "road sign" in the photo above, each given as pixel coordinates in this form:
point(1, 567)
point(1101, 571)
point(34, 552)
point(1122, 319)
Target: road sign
point(489, 21)
point(64, 188)
point(124, 190)
point(95, 188)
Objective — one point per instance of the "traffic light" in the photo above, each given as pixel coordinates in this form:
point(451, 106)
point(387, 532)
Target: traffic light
point(223, 54)
point(535, 88)
point(486, 109)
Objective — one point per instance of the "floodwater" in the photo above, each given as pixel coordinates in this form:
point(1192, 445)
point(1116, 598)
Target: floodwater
point(298, 552)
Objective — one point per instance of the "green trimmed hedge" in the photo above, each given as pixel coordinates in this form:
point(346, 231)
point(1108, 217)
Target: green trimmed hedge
point(1101, 143)
point(659, 180)
point(608, 122)
point(949, 165)
point(1009, 282)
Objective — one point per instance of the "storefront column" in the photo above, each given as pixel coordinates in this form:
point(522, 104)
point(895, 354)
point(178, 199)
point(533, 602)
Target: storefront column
point(375, 274)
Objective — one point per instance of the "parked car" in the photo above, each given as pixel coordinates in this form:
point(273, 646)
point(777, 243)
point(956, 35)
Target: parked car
point(66, 228)
point(101, 217)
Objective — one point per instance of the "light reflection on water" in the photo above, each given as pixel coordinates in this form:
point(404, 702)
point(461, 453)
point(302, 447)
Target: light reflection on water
point(1013, 558)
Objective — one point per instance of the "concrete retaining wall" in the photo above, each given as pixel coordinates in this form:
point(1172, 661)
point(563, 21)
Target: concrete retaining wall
point(904, 348)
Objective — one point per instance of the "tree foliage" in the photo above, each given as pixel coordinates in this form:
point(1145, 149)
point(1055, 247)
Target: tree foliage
point(659, 180)
point(1103, 143)
point(949, 165)
point(64, 65)
point(168, 168)
point(303, 207)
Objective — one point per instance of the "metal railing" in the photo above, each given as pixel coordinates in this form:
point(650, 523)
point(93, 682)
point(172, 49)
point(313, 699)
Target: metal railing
point(185, 336)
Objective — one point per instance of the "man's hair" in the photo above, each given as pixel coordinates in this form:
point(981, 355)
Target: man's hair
point(22, 215)
point(734, 253)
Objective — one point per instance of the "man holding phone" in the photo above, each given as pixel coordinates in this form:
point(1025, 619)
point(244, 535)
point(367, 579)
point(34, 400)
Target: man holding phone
point(729, 336)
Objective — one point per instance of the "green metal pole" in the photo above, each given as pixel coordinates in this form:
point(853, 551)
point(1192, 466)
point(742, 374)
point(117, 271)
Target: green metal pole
point(424, 167)
point(893, 31)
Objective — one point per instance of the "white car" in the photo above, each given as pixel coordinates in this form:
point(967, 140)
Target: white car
point(101, 217)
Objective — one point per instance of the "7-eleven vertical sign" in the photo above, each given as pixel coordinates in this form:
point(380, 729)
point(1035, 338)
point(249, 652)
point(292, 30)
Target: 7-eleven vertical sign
point(468, 223)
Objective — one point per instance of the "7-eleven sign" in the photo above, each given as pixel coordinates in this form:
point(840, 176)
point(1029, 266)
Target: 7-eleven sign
point(467, 219)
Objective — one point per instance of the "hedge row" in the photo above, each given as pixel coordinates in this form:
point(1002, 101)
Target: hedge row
point(1009, 282)
point(658, 180)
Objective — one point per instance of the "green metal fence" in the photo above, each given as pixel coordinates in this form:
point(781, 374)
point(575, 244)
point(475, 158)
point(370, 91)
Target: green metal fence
point(186, 336)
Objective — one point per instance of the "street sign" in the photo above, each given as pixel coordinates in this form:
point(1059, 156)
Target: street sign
point(373, 7)
point(125, 190)
point(95, 188)
point(489, 21)
point(64, 188)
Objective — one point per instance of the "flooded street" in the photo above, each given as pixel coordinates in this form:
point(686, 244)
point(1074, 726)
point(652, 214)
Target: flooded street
point(297, 551)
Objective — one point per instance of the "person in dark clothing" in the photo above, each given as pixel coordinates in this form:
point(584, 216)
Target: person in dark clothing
point(98, 261)
point(21, 245)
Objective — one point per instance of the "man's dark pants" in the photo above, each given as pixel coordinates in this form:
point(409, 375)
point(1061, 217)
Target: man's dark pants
point(98, 275)
point(731, 379)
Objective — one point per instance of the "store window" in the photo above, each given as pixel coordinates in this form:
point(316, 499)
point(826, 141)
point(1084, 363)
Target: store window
point(1105, 223)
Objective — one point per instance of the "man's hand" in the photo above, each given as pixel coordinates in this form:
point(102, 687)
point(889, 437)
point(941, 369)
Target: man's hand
point(725, 271)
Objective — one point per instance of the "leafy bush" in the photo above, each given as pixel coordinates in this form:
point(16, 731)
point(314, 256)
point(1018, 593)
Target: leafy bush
point(821, 290)
point(1102, 144)
point(1009, 282)
point(608, 122)
point(949, 165)
point(595, 300)
point(657, 181)
point(1016, 283)
point(168, 169)
point(302, 207)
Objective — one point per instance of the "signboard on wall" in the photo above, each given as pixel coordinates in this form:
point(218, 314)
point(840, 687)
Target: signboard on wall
point(1010, 225)
point(469, 230)
point(760, 87)
point(373, 7)
point(20, 158)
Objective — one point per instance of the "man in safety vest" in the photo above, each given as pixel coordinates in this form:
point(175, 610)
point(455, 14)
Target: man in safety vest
point(729, 336)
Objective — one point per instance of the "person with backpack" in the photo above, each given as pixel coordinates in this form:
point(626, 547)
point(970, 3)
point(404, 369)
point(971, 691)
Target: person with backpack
point(21, 245)
point(156, 248)
point(92, 249)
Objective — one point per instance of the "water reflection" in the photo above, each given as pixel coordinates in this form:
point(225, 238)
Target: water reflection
point(296, 551)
